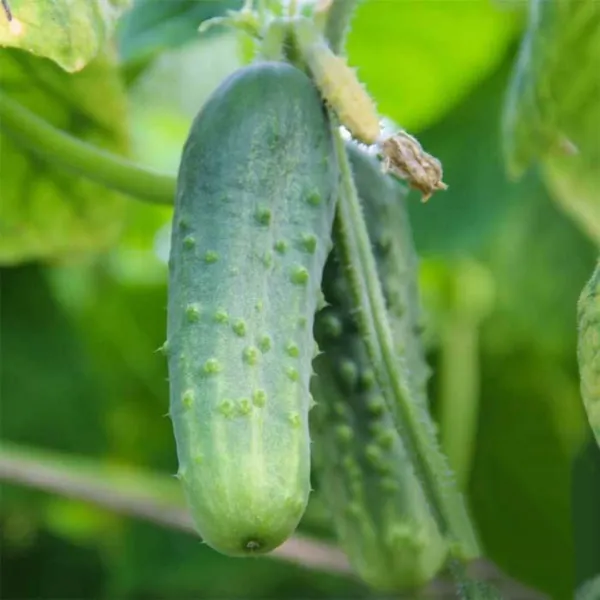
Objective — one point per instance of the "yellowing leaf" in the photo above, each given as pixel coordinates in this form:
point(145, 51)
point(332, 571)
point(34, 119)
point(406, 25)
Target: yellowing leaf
point(69, 32)
point(46, 212)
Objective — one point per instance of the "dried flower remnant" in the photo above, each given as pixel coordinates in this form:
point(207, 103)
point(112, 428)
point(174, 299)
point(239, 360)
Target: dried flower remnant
point(404, 157)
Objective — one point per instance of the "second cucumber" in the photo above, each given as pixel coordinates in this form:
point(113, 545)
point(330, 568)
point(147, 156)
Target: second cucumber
point(378, 507)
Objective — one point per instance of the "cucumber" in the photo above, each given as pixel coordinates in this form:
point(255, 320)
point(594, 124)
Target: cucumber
point(337, 82)
point(378, 507)
point(588, 350)
point(251, 231)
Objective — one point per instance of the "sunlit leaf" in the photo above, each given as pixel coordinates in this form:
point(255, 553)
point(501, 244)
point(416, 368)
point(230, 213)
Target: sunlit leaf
point(69, 32)
point(419, 59)
point(49, 213)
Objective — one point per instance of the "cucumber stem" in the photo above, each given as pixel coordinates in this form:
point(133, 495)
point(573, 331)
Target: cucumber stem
point(413, 420)
point(147, 496)
point(337, 24)
point(273, 44)
point(64, 150)
point(459, 376)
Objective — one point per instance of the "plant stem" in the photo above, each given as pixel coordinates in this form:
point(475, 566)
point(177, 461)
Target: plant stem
point(157, 498)
point(338, 22)
point(144, 496)
point(459, 376)
point(60, 148)
point(412, 420)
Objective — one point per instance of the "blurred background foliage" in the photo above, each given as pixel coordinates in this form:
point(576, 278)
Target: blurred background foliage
point(82, 315)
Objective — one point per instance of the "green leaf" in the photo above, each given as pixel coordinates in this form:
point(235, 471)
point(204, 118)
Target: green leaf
point(461, 219)
point(575, 187)
point(155, 25)
point(55, 567)
point(49, 213)
point(552, 112)
point(520, 489)
point(159, 563)
point(553, 101)
point(586, 516)
point(531, 416)
point(50, 395)
point(540, 262)
point(69, 32)
point(124, 333)
point(532, 420)
point(420, 59)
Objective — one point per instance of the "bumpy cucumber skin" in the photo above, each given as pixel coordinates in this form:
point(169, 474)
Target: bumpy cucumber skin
point(251, 231)
point(588, 350)
point(379, 509)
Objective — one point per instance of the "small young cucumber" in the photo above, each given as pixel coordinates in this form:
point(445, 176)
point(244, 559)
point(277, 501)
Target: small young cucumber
point(378, 507)
point(589, 349)
point(251, 230)
point(337, 82)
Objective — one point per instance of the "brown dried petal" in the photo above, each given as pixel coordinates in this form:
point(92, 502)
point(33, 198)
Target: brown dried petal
point(404, 157)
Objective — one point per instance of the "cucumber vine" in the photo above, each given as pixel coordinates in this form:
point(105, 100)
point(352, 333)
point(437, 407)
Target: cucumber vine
point(65, 151)
point(314, 44)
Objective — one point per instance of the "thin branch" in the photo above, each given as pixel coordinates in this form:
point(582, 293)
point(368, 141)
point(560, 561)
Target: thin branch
point(33, 473)
point(135, 495)
point(60, 148)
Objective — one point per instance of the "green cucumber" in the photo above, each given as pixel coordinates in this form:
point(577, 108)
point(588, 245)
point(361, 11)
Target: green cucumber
point(255, 203)
point(378, 506)
point(588, 350)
